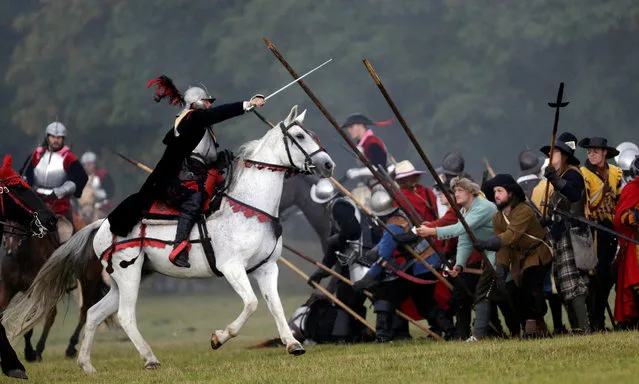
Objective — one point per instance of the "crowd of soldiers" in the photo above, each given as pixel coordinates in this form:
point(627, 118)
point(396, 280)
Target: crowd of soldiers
point(561, 233)
point(535, 250)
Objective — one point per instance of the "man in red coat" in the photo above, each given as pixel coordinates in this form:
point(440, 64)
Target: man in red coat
point(627, 223)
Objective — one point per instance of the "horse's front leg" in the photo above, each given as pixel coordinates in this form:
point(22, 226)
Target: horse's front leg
point(266, 277)
point(236, 276)
point(48, 323)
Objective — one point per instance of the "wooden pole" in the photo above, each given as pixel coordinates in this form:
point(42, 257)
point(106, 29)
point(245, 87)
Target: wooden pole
point(328, 294)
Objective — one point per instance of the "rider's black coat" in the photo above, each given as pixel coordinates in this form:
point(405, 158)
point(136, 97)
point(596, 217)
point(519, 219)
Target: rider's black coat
point(191, 129)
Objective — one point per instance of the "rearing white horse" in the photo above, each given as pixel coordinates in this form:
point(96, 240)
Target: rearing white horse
point(243, 239)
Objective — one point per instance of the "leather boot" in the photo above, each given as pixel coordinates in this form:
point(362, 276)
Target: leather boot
point(384, 324)
point(180, 254)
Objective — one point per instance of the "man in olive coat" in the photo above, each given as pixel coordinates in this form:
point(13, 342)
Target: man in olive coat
point(520, 245)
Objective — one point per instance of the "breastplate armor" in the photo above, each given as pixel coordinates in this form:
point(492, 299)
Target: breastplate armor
point(206, 150)
point(50, 173)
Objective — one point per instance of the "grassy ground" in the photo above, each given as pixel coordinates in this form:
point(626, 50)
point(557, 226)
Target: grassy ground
point(179, 329)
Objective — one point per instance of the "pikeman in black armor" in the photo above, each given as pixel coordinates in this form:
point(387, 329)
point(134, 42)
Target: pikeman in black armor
point(190, 167)
point(348, 244)
point(530, 166)
point(417, 281)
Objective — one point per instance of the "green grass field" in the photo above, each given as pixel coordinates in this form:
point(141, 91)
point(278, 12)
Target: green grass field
point(179, 328)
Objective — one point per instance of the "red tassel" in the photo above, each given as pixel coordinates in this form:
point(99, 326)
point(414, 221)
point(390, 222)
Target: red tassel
point(384, 123)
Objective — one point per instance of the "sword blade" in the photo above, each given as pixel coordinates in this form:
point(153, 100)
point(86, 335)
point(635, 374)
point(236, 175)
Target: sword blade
point(298, 79)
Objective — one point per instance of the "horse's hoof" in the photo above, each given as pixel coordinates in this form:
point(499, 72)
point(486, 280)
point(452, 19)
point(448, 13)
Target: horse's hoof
point(17, 374)
point(296, 349)
point(38, 357)
point(88, 368)
point(71, 352)
point(215, 342)
point(152, 365)
point(30, 356)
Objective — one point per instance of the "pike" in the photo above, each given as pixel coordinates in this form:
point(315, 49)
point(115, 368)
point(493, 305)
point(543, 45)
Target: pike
point(429, 165)
point(359, 154)
point(490, 170)
point(589, 223)
point(328, 294)
point(366, 293)
point(557, 105)
point(136, 163)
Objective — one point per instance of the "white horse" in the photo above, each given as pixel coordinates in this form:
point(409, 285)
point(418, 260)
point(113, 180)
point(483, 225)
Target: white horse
point(241, 242)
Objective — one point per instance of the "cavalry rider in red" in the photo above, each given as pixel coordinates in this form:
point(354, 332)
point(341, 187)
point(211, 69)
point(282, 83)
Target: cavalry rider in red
point(190, 163)
point(55, 173)
point(369, 144)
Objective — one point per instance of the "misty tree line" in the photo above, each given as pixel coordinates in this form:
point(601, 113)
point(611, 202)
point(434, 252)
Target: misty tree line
point(472, 76)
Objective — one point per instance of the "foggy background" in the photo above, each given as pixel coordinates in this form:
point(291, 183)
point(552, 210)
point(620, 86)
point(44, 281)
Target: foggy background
point(469, 76)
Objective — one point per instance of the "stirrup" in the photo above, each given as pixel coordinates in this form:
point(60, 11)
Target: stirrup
point(184, 245)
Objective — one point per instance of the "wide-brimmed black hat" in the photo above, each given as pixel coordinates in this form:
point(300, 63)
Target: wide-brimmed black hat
point(529, 163)
point(599, 142)
point(507, 182)
point(566, 143)
point(357, 118)
point(453, 164)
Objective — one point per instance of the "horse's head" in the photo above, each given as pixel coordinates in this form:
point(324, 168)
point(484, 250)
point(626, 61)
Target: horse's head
point(18, 203)
point(302, 149)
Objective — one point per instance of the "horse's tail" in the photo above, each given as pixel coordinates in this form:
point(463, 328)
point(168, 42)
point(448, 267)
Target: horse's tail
point(57, 275)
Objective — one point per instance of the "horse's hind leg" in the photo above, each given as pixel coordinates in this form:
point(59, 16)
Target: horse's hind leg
point(29, 352)
point(95, 316)
point(84, 307)
point(236, 276)
point(266, 277)
point(128, 281)
point(48, 323)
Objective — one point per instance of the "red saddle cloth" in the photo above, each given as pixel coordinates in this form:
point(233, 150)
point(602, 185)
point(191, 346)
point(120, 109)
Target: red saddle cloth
point(161, 208)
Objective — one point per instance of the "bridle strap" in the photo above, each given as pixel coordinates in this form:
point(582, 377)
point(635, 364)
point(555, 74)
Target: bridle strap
point(5, 191)
point(308, 161)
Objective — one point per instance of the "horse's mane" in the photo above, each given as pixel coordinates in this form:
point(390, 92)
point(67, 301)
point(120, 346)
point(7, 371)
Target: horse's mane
point(245, 151)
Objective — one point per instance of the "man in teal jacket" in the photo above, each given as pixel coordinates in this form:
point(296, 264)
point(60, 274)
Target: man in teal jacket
point(478, 213)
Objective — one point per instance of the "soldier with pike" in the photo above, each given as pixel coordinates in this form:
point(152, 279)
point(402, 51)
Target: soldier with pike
point(348, 244)
point(603, 187)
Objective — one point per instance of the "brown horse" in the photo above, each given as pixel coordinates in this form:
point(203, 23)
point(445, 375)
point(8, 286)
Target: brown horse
point(25, 256)
point(24, 215)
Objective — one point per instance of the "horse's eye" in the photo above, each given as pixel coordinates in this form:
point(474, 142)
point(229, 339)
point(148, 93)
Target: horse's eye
point(299, 136)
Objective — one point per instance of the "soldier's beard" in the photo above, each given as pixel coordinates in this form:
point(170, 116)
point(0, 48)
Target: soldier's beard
point(503, 204)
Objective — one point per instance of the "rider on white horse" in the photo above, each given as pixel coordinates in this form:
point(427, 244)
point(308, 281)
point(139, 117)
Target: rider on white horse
point(190, 163)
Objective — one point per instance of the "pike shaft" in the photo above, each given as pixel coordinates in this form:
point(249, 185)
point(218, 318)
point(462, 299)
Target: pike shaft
point(422, 154)
point(359, 154)
point(328, 294)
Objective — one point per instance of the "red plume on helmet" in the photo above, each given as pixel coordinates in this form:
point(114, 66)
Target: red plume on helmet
point(166, 88)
